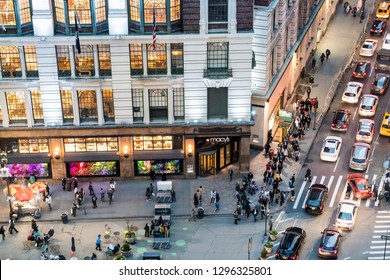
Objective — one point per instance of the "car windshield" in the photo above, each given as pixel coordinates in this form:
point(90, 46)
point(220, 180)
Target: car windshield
point(387, 40)
point(345, 216)
point(364, 129)
point(367, 46)
point(368, 103)
point(350, 94)
point(362, 186)
point(330, 147)
point(380, 82)
point(382, 11)
point(340, 116)
point(359, 154)
point(289, 242)
point(330, 240)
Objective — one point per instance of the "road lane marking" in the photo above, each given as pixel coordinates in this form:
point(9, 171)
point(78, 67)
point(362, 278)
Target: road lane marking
point(330, 182)
point(354, 114)
point(380, 189)
point(335, 167)
point(313, 181)
point(335, 191)
point(299, 195)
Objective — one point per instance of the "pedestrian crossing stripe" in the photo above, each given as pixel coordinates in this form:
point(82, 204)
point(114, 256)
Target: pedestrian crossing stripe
point(333, 190)
point(379, 248)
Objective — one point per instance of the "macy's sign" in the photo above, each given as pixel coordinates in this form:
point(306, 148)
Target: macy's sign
point(219, 140)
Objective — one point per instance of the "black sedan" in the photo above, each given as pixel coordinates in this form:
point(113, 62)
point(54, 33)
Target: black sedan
point(362, 69)
point(378, 27)
point(380, 84)
point(316, 199)
point(330, 243)
point(291, 243)
point(341, 119)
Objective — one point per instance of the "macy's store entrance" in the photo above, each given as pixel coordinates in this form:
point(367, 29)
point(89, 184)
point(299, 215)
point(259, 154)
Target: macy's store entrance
point(215, 153)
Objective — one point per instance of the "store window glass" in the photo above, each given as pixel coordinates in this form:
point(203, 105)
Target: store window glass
point(136, 65)
point(84, 61)
point(157, 59)
point(178, 103)
point(10, 62)
point(36, 101)
point(63, 61)
point(138, 104)
point(177, 63)
point(33, 146)
point(67, 105)
point(158, 8)
point(134, 10)
point(218, 10)
point(31, 61)
point(157, 142)
point(175, 10)
point(59, 10)
point(25, 12)
point(7, 13)
point(104, 60)
point(83, 9)
point(108, 104)
point(92, 144)
point(16, 104)
point(87, 105)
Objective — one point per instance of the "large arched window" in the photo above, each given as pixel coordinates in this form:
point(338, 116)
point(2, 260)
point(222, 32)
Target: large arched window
point(167, 13)
point(16, 104)
point(90, 16)
point(15, 17)
point(10, 62)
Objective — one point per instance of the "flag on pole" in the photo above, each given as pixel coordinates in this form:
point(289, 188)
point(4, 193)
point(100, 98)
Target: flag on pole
point(76, 27)
point(154, 28)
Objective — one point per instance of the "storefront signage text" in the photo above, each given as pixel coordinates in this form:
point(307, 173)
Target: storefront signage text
point(219, 140)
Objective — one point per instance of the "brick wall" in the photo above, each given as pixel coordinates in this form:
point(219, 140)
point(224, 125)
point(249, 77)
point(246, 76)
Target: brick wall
point(191, 16)
point(244, 15)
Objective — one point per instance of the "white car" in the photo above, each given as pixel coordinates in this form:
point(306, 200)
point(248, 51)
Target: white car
point(369, 47)
point(367, 107)
point(386, 42)
point(352, 92)
point(331, 148)
point(346, 214)
point(365, 131)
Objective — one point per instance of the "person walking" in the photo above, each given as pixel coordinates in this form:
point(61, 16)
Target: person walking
point(235, 216)
point(313, 63)
point(147, 230)
point(48, 201)
point(11, 226)
point(200, 194)
point(2, 232)
point(308, 91)
point(110, 195)
point(193, 215)
point(47, 189)
point(327, 54)
point(195, 200)
point(303, 72)
point(73, 209)
point(94, 199)
point(231, 174)
point(173, 195)
point(308, 175)
point(255, 212)
point(148, 194)
point(34, 226)
point(271, 223)
point(98, 243)
point(262, 211)
point(102, 195)
point(212, 196)
point(63, 183)
point(90, 188)
point(292, 190)
point(322, 58)
point(282, 198)
point(217, 203)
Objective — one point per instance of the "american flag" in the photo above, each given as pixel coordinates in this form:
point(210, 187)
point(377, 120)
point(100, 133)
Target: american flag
point(154, 29)
point(76, 27)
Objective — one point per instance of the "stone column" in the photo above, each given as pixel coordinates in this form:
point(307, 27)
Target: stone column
point(42, 18)
point(58, 167)
point(244, 160)
point(118, 23)
point(189, 160)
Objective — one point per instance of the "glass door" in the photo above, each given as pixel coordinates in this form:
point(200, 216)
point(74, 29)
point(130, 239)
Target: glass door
point(207, 163)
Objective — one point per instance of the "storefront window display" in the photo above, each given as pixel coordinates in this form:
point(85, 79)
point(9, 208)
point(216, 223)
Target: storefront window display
point(172, 167)
point(27, 146)
point(99, 144)
point(92, 168)
point(39, 170)
point(152, 143)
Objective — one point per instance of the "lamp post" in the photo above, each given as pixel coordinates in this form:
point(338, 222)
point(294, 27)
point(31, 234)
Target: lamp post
point(385, 237)
point(5, 172)
point(265, 224)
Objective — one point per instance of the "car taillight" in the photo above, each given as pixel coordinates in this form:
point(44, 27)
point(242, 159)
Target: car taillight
point(334, 252)
point(364, 73)
point(320, 250)
point(333, 125)
point(354, 72)
point(344, 126)
point(294, 257)
point(277, 254)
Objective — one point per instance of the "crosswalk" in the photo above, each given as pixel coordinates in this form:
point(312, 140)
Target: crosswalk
point(335, 184)
point(380, 247)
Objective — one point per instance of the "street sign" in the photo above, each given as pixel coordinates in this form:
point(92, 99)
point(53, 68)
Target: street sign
point(285, 116)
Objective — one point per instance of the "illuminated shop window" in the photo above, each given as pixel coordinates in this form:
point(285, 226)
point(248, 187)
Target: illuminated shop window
point(32, 146)
point(136, 65)
point(63, 61)
point(24, 10)
point(10, 62)
point(175, 10)
point(158, 142)
point(83, 9)
point(134, 10)
point(31, 61)
point(67, 105)
point(104, 60)
point(16, 105)
point(138, 104)
point(87, 105)
point(157, 59)
point(15, 16)
point(84, 61)
point(177, 63)
point(108, 104)
point(178, 103)
point(7, 12)
point(36, 101)
point(93, 144)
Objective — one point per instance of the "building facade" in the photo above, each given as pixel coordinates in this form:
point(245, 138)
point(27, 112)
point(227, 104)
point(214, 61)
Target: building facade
point(286, 33)
point(120, 87)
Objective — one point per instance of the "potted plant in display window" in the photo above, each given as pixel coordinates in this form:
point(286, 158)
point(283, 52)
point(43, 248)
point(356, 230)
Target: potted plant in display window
point(120, 258)
point(273, 234)
point(264, 255)
point(130, 237)
point(126, 250)
point(268, 246)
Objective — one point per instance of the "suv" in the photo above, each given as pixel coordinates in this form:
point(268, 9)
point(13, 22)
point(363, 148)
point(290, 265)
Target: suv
point(316, 199)
point(292, 241)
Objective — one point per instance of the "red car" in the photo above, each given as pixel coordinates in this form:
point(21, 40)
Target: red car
point(360, 186)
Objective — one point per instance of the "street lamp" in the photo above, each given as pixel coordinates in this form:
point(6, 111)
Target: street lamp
point(265, 223)
point(385, 237)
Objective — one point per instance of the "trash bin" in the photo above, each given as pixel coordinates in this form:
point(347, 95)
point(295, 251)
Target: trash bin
point(200, 213)
point(64, 217)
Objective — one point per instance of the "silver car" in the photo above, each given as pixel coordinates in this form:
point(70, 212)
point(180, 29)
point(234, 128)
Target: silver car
point(368, 105)
point(359, 156)
point(365, 131)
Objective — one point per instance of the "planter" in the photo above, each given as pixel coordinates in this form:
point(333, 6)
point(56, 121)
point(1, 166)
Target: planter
point(264, 255)
point(268, 249)
point(120, 258)
point(268, 246)
point(126, 250)
point(130, 237)
point(272, 237)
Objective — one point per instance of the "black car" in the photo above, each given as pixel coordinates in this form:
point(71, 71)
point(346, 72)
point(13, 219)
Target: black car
point(341, 118)
point(330, 243)
point(292, 241)
point(362, 69)
point(316, 199)
point(378, 27)
point(380, 84)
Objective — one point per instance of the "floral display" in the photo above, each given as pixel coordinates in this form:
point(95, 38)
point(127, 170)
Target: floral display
point(39, 170)
point(93, 168)
point(160, 166)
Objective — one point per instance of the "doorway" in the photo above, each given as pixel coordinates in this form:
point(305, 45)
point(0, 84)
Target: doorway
point(208, 163)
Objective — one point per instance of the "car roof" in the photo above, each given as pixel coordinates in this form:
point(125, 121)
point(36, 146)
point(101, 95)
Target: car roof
point(360, 144)
point(296, 230)
point(355, 175)
point(354, 84)
point(370, 96)
point(319, 186)
point(334, 138)
point(366, 121)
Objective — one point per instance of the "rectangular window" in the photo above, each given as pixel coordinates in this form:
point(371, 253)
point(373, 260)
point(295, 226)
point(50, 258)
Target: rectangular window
point(25, 12)
point(10, 62)
point(36, 101)
point(63, 61)
point(134, 10)
point(104, 60)
point(84, 61)
point(31, 61)
point(95, 144)
point(175, 10)
point(217, 103)
point(59, 10)
point(154, 7)
point(108, 104)
point(7, 12)
point(177, 64)
point(67, 105)
point(178, 103)
point(16, 105)
point(87, 105)
point(217, 55)
point(158, 105)
point(138, 104)
point(157, 60)
point(83, 9)
point(218, 10)
point(100, 10)
point(136, 65)
point(158, 142)
point(33, 146)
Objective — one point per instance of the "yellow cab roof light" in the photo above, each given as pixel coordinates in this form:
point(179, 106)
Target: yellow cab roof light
point(384, 5)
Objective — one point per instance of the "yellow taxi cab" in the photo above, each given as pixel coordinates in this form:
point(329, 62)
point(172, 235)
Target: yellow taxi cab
point(383, 10)
point(385, 125)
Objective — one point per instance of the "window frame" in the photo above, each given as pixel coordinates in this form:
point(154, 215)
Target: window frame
point(108, 105)
point(30, 57)
point(12, 105)
point(67, 105)
point(9, 57)
point(62, 50)
point(104, 57)
point(178, 104)
point(157, 59)
point(137, 95)
point(218, 11)
point(177, 60)
point(36, 103)
point(87, 113)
